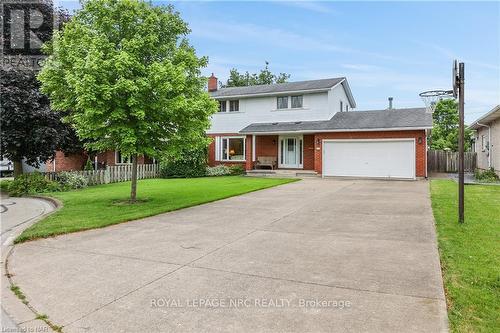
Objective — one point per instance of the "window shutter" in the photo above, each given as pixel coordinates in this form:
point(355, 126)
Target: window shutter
point(217, 148)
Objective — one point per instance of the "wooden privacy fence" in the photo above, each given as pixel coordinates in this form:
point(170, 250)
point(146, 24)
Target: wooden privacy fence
point(113, 174)
point(447, 161)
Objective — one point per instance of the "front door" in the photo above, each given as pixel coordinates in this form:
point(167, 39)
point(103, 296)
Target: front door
point(290, 152)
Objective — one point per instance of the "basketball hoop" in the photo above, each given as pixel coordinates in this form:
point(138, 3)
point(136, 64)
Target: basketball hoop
point(432, 97)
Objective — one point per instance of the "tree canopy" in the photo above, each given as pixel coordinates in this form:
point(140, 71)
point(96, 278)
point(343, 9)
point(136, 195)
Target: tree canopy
point(444, 135)
point(265, 76)
point(133, 83)
point(31, 131)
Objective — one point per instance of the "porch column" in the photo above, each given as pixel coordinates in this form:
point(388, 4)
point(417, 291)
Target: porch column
point(248, 153)
point(253, 148)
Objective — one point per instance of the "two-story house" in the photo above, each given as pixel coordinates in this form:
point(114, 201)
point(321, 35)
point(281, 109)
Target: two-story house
point(309, 125)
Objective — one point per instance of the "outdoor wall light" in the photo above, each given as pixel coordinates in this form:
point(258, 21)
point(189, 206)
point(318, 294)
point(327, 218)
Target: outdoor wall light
point(419, 140)
point(318, 141)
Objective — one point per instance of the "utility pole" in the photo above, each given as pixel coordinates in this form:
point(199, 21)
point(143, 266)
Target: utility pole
point(461, 132)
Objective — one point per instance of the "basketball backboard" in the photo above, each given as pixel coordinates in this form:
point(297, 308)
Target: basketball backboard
point(455, 78)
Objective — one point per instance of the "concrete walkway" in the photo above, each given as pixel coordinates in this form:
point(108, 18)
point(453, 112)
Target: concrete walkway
point(312, 256)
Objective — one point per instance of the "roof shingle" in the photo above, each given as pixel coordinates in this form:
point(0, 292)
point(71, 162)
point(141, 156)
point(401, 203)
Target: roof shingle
point(277, 88)
point(353, 120)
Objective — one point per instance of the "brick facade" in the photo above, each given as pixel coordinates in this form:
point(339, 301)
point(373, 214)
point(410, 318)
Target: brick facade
point(70, 162)
point(267, 145)
point(308, 160)
point(76, 162)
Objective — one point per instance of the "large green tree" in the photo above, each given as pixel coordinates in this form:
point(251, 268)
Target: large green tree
point(444, 135)
point(31, 131)
point(131, 79)
point(265, 76)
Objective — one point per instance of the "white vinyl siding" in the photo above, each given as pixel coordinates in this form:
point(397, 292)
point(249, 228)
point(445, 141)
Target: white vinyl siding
point(263, 109)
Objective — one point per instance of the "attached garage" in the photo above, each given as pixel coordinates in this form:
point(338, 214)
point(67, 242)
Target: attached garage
point(377, 158)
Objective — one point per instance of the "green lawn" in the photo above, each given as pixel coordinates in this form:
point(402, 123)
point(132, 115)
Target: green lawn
point(96, 206)
point(470, 255)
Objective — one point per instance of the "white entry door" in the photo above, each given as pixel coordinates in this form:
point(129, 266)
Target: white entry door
point(385, 158)
point(290, 152)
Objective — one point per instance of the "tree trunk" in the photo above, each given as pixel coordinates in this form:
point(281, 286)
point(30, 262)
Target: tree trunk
point(133, 189)
point(18, 168)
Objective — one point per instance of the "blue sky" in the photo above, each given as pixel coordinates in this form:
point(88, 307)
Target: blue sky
point(384, 48)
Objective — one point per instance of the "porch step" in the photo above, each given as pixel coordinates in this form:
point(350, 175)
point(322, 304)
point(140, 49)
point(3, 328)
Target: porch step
point(281, 173)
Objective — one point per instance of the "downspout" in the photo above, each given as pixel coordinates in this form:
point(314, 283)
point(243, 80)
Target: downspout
point(489, 143)
point(427, 134)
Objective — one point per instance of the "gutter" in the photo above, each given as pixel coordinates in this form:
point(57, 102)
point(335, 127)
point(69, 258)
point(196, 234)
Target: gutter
point(280, 93)
point(489, 142)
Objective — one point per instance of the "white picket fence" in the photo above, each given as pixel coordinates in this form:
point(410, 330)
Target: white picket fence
point(114, 174)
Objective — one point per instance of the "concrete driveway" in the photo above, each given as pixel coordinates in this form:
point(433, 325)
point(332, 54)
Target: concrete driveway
point(311, 256)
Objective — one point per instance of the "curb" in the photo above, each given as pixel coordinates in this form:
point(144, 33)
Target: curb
point(46, 325)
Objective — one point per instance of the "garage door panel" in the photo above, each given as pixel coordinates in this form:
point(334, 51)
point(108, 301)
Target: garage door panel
point(369, 158)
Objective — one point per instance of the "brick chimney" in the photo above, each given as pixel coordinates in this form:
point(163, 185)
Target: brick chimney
point(212, 83)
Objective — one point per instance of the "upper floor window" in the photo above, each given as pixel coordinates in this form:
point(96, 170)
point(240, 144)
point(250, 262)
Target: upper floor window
point(296, 101)
point(282, 102)
point(234, 105)
point(222, 106)
point(341, 106)
point(346, 107)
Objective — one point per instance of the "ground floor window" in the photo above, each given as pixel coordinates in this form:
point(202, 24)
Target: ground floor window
point(230, 148)
point(122, 159)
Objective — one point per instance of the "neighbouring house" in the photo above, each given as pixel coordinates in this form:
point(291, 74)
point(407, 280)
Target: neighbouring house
point(72, 162)
point(487, 140)
point(309, 126)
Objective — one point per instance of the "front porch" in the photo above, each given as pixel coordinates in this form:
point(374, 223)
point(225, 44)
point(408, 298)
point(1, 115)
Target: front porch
point(289, 153)
point(264, 153)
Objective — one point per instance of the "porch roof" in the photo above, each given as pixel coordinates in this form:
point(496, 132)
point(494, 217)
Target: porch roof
point(393, 119)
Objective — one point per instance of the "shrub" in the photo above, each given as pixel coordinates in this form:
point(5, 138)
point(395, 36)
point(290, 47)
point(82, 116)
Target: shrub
point(218, 170)
point(487, 176)
point(237, 169)
point(190, 163)
point(4, 185)
point(88, 165)
point(31, 183)
point(71, 180)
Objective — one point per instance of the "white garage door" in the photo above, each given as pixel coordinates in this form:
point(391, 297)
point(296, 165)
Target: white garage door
point(369, 158)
